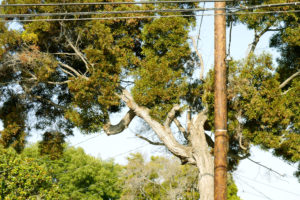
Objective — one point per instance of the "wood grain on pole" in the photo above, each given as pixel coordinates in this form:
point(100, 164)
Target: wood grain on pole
point(221, 138)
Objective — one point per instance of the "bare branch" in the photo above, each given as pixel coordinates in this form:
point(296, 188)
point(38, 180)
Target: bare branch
point(121, 126)
point(268, 168)
point(164, 133)
point(201, 64)
point(58, 83)
point(282, 85)
point(257, 37)
point(149, 141)
point(188, 120)
point(171, 115)
point(69, 54)
point(239, 130)
point(48, 101)
point(73, 70)
point(181, 128)
point(200, 118)
point(79, 54)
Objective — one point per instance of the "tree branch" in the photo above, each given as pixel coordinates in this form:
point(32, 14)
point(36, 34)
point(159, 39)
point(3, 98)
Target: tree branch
point(121, 126)
point(164, 133)
point(257, 38)
point(73, 70)
point(282, 85)
point(200, 118)
point(149, 141)
point(270, 169)
point(79, 54)
point(201, 64)
point(58, 83)
point(171, 115)
point(48, 101)
point(181, 128)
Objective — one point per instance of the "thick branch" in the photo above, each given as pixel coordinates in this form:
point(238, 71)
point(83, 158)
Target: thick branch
point(164, 133)
point(200, 119)
point(149, 141)
point(121, 126)
point(282, 85)
point(171, 115)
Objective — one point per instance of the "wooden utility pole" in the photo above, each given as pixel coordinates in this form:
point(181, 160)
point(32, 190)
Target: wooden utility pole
point(221, 138)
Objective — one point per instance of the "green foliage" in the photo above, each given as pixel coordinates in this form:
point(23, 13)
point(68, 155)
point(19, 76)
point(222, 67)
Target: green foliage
point(80, 176)
point(258, 109)
point(71, 74)
point(163, 178)
point(22, 177)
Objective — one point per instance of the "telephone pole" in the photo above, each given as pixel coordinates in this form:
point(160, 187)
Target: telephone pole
point(221, 138)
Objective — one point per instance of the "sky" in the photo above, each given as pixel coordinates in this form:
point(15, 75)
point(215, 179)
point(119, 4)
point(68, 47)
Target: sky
point(253, 181)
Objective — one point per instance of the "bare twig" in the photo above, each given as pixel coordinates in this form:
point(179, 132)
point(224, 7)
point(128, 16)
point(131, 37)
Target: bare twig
point(268, 168)
point(79, 54)
point(149, 141)
point(73, 70)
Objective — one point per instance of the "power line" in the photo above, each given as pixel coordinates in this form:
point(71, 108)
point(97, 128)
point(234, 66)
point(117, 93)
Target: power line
point(198, 37)
point(147, 11)
point(256, 190)
point(86, 140)
point(110, 3)
point(144, 17)
point(268, 185)
point(105, 12)
point(120, 154)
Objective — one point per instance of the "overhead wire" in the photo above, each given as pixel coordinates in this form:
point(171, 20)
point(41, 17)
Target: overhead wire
point(110, 3)
point(268, 185)
point(144, 11)
point(107, 12)
point(147, 11)
point(201, 21)
point(144, 17)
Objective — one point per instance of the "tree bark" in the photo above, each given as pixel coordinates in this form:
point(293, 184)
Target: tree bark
point(203, 157)
point(197, 152)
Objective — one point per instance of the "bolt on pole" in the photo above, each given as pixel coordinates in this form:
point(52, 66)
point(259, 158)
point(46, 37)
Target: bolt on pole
point(220, 103)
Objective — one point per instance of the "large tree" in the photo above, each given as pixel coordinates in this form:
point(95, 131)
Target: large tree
point(61, 75)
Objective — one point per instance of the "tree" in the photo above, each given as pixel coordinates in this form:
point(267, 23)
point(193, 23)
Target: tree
point(25, 178)
point(78, 73)
point(163, 178)
point(80, 176)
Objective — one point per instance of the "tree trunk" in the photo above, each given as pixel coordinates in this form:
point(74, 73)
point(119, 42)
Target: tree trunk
point(204, 163)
